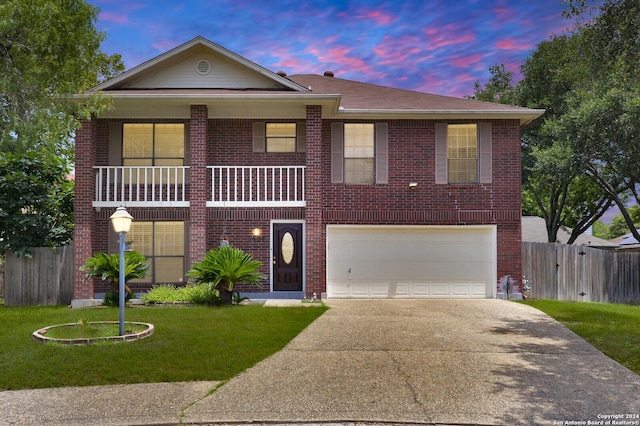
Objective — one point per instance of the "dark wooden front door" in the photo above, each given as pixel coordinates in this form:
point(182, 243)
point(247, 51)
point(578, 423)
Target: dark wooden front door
point(287, 257)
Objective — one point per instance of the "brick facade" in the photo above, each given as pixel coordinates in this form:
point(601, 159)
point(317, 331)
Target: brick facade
point(229, 142)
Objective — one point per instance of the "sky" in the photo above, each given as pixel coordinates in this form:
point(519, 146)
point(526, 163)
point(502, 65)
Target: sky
point(432, 46)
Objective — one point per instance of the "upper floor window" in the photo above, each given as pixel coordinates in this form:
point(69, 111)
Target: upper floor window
point(462, 153)
point(281, 137)
point(153, 144)
point(358, 153)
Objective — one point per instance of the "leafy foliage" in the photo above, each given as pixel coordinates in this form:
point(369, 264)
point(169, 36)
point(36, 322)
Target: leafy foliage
point(49, 53)
point(107, 267)
point(618, 225)
point(223, 268)
point(500, 87)
point(583, 155)
point(36, 202)
point(200, 294)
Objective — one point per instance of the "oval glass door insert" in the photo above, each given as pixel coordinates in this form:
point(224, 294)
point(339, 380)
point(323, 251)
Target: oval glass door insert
point(286, 246)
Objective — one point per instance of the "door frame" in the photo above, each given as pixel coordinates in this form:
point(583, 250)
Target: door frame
point(304, 251)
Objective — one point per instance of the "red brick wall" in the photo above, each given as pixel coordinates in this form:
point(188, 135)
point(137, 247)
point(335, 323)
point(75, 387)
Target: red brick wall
point(229, 142)
point(316, 196)
point(412, 159)
point(198, 181)
point(84, 220)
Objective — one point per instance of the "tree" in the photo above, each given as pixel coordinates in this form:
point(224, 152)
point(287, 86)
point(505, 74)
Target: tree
point(36, 202)
point(603, 118)
point(500, 87)
point(49, 52)
point(554, 185)
point(588, 82)
point(618, 225)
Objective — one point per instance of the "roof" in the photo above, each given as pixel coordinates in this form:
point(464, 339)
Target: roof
point(358, 97)
point(239, 88)
point(534, 230)
point(626, 242)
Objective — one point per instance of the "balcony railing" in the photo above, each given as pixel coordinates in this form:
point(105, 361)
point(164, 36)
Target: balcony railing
point(141, 186)
point(231, 186)
point(257, 186)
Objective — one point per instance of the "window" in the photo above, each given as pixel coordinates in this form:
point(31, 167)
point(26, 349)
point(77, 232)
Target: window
point(281, 137)
point(162, 243)
point(358, 153)
point(149, 144)
point(462, 153)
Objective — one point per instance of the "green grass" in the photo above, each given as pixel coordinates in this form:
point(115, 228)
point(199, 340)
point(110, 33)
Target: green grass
point(613, 329)
point(189, 343)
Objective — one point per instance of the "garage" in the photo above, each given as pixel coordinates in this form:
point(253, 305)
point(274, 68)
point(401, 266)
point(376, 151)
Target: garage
point(367, 261)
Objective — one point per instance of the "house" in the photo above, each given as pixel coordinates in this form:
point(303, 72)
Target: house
point(626, 243)
point(534, 230)
point(340, 188)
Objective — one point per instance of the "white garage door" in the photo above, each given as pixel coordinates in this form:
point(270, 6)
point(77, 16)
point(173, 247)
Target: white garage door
point(411, 261)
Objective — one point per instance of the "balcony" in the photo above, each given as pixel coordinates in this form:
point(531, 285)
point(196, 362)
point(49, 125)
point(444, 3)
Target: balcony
point(231, 186)
point(141, 186)
point(257, 186)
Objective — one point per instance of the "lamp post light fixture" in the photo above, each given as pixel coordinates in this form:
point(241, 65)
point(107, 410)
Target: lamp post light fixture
point(121, 221)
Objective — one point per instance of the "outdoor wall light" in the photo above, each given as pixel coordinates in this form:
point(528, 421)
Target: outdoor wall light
point(121, 221)
point(413, 185)
point(256, 232)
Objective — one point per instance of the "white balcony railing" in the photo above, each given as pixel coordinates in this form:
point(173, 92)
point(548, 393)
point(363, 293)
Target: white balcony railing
point(141, 186)
point(257, 186)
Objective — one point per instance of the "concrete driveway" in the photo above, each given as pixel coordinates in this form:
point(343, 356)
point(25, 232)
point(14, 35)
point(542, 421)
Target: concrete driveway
point(488, 362)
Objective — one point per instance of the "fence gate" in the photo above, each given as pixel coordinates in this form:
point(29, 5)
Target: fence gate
point(579, 273)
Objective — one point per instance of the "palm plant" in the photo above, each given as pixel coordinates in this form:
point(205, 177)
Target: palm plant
point(223, 268)
point(107, 267)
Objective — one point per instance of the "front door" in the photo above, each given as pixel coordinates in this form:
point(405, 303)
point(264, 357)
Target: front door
point(287, 257)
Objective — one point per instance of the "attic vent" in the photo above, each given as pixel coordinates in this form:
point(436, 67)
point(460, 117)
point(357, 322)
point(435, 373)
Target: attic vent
point(203, 67)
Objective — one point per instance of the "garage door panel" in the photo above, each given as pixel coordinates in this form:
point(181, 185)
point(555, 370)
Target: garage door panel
point(410, 262)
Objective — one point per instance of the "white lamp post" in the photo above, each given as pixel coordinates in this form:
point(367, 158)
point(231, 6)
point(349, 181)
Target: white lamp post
point(121, 221)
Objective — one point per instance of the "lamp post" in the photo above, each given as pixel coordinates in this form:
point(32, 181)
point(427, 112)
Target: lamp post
point(121, 221)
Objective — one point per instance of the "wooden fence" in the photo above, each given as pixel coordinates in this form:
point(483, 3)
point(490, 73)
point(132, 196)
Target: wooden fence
point(579, 273)
point(44, 279)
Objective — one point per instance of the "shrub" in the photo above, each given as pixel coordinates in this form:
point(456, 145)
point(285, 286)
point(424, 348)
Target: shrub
point(223, 268)
point(201, 294)
point(107, 267)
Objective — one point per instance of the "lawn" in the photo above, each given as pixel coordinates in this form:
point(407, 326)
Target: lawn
point(613, 329)
point(189, 343)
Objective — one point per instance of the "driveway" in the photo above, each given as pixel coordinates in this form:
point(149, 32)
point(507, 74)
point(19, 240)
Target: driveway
point(489, 362)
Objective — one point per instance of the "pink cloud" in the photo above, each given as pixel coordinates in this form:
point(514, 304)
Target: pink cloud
point(164, 45)
point(465, 61)
point(511, 44)
point(397, 50)
point(338, 58)
point(377, 16)
point(113, 17)
point(447, 35)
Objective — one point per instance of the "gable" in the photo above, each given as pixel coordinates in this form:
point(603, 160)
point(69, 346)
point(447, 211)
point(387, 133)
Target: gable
point(199, 64)
point(204, 70)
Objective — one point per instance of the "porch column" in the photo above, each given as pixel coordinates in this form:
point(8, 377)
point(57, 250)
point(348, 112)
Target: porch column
point(316, 237)
point(198, 183)
point(83, 214)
